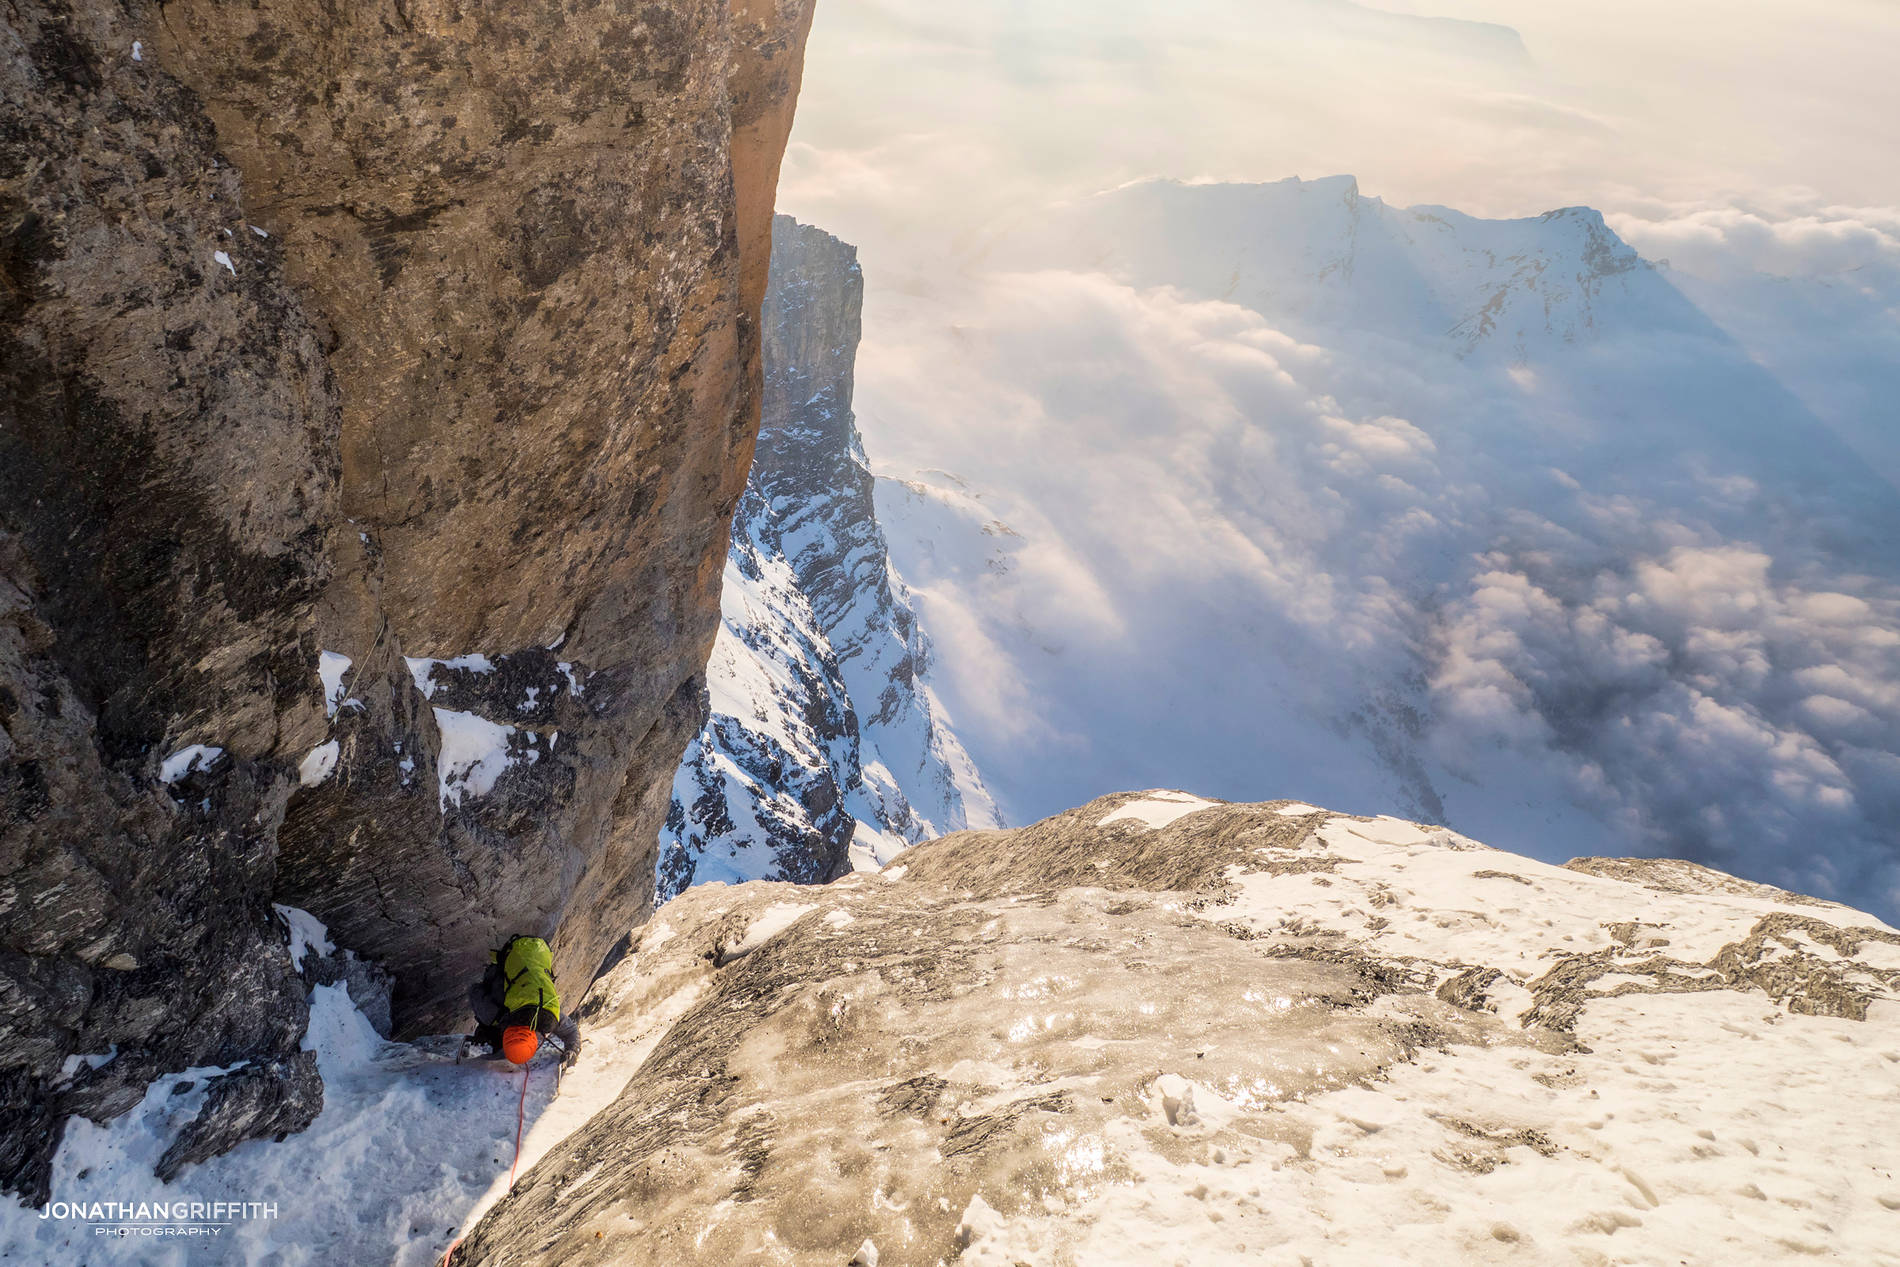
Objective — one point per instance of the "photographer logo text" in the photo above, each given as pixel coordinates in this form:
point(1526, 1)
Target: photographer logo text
point(158, 1218)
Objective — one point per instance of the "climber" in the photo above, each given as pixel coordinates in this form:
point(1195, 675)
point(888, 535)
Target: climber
point(515, 1003)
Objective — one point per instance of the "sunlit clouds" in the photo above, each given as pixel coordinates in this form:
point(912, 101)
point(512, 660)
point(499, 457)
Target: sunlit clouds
point(1327, 491)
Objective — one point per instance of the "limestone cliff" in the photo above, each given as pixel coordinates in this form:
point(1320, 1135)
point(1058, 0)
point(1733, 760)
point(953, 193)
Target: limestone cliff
point(400, 341)
point(826, 746)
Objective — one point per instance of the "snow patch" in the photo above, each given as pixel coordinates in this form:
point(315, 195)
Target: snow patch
point(774, 920)
point(422, 669)
point(74, 1064)
point(307, 933)
point(474, 754)
point(196, 757)
point(871, 849)
point(331, 666)
point(419, 673)
point(1158, 809)
point(225, 260)
point(318, 764)
point(979, 1232)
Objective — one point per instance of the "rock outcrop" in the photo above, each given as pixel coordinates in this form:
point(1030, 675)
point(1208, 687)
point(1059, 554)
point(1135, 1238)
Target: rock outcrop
point(1160, 1029)
point(824, 742)
point(420, 336)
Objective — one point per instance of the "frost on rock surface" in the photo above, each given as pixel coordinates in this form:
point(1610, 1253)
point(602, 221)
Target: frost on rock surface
point(825, 747)
point(1256, 1033)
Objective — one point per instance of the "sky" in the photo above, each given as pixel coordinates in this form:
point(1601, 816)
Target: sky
point(1746, 143)
point(1189, 502)
point(920, 117)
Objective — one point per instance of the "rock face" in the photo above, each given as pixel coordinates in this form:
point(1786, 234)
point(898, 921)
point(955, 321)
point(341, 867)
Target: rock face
point(1159, 1028)
point(400, 332)
point(824, 741)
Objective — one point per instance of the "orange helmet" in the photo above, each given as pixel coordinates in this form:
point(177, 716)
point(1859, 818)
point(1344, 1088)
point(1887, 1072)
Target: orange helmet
point(519, 1043)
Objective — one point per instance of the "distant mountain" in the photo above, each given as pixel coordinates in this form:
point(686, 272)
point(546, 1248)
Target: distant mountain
point(1321, 253)
point(1624, 364)
point(1250, 487)
point(825, 746)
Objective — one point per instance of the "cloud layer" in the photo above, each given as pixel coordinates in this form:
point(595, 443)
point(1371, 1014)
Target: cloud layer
point(1186, 545)
point(1627, 598)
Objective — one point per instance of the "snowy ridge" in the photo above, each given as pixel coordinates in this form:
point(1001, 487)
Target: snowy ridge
point(1246, 1033)
point(825, 746)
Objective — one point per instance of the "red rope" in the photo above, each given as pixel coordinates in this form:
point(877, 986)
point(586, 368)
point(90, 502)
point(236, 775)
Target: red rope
point(521, 1115)
point(521, 1111)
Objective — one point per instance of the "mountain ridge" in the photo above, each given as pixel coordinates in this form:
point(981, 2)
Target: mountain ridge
point(1162, 1026)
point(825, 747)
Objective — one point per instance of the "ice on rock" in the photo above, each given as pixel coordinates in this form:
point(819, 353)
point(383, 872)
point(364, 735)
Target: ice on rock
point(94, 1060)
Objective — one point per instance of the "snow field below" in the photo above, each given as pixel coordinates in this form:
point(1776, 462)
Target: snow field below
point(409, 1150)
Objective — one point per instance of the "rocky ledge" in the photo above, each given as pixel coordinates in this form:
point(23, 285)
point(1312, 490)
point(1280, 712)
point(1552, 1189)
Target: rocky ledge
point(1160, 1029)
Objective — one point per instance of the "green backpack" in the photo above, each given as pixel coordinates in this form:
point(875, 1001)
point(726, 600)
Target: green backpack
point(527, 966)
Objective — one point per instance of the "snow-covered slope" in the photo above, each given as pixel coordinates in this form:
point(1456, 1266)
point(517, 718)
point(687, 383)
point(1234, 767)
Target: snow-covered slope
point(825, 743)
point(1475, 521)
point(1163, 1029)
point(1156, 1028)
point(410, 1146)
